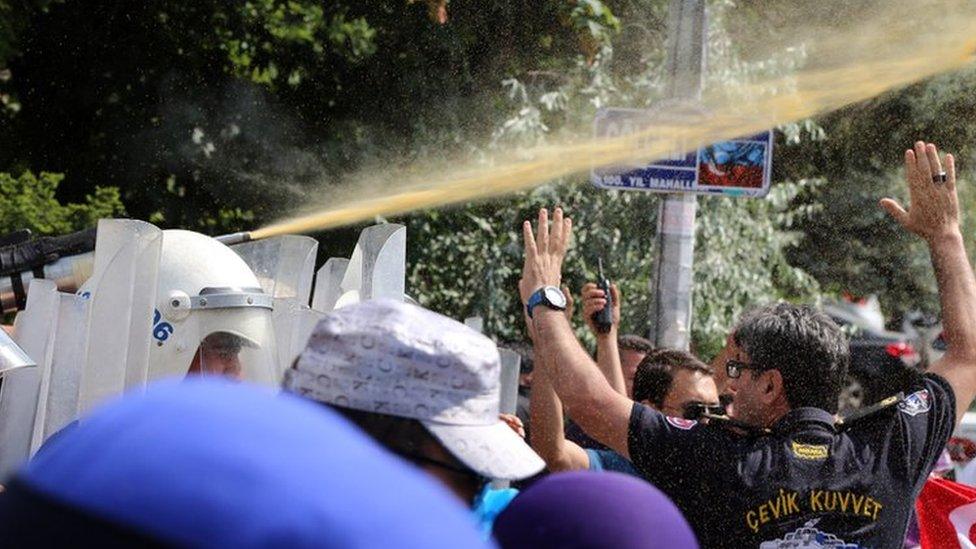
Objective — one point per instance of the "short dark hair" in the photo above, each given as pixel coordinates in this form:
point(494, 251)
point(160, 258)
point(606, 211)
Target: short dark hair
point(636, 343)
point(805, 345)
point(655, 374)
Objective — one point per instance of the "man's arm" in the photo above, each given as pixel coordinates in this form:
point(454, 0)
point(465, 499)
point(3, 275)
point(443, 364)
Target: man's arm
point(547, 437)
point(607, 353)
point(602, 412)
point(933, 214)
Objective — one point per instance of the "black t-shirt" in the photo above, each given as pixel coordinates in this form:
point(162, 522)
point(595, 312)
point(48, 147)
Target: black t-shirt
point(805, 484)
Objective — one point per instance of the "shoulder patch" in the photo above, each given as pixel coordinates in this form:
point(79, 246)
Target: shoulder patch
point(810, 451)
point(916, 403)
point(680, 422)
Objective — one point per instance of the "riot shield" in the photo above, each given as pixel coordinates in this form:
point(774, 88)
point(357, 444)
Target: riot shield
point(11, 355)
point(293, 324)
point(328, 284)
point(284, 265)
point(377, 267)
point(60, 384)
point(34, 331)
point(508, 388)
point(122, 290)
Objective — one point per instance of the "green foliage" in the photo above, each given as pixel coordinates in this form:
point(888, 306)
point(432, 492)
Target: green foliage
point(220, 116)
point(851, 245)
point(467, 260)
point(29, 202)
point(255, 33)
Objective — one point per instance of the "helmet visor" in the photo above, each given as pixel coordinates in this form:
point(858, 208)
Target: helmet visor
point(236, 343)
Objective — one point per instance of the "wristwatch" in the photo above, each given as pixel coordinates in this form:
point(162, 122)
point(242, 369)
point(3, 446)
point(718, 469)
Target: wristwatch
point(550, 296)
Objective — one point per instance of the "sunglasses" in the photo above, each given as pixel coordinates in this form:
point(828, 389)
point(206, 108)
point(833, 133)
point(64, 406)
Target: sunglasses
point(698, 410)
point(734, 368)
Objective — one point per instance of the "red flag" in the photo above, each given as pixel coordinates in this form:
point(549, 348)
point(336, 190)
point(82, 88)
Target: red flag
point(946, 514)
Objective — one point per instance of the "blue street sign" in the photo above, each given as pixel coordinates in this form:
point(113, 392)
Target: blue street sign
point(738, 167)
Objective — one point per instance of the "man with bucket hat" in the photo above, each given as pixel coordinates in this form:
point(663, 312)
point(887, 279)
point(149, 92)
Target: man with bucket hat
point(423, 385)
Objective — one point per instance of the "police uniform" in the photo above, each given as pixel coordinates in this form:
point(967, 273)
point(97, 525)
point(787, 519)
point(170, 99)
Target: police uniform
point(805, 483)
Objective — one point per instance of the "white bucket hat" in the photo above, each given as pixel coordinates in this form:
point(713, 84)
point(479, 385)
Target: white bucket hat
point(392, 358)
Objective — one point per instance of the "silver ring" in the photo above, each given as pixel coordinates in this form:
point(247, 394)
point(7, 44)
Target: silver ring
point(939, 177)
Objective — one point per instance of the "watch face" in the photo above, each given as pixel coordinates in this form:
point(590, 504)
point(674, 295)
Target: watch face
point(555, 296)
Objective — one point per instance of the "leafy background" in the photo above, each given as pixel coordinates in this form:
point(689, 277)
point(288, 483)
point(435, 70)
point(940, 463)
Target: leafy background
point(220, 116)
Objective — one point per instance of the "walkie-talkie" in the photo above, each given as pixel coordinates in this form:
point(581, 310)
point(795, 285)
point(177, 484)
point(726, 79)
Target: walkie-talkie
point(603, 319)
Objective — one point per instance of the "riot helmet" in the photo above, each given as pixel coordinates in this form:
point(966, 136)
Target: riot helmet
point(211, 316)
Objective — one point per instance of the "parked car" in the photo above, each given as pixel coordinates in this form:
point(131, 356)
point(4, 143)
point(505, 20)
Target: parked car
point(880, 359)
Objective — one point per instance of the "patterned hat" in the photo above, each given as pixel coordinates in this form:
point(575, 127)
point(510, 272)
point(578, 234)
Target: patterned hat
point(392, 358)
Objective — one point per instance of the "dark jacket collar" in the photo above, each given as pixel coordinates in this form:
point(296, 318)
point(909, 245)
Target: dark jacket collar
point(805, 418)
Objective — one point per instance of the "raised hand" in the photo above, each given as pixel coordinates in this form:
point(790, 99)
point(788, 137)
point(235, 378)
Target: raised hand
point(933, 210)
point(544, 252)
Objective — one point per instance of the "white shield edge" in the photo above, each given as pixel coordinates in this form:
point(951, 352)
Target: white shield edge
point(284, 265)
point(508, 381)
point(293, 325)
point(328, 284)
point(34, 332)
point(12, 356)
point(123, 295)
point(378, 265)
point(60, 406)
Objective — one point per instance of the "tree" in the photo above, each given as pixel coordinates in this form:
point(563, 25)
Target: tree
point(470, 259)
point(29, 202)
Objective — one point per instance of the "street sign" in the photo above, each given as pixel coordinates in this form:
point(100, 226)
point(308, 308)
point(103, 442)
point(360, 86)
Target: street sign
point(738, 167)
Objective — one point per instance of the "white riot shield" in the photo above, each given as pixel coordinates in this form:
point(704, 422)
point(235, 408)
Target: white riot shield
point(476, 323)
point(123, 292)
point(508, 388)
point(328, 284)
point(378, 265)
point(11, 355)
point(60, 383)
point(284, 265)
point(34, 331)
point(377, 269)
point(293, 324)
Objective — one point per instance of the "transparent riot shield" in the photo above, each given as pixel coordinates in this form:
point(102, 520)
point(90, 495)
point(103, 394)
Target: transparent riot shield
point(284, 265)
point(508, 388)
point(328, 284)
point(61, 382)
point(33, 330)
point(376, 269)
point(294, 323)
point(122, 290)
point(11, 355)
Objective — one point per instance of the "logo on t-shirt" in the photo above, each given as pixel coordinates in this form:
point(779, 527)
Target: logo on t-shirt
point(681, 423)
point(810, 451)
point(916, 403)
point(808, 536)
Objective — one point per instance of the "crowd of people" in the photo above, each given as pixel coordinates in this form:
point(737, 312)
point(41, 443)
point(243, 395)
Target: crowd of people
point(387, 431)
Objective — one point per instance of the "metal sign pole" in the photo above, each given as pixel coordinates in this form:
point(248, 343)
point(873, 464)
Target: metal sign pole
point(671, 281)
